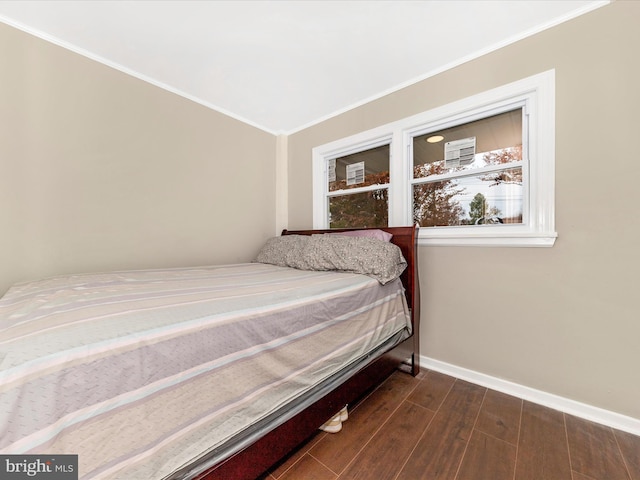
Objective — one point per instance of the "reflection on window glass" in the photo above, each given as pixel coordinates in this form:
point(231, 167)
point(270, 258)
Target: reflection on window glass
point(489, 141)
point(360, 210)
point(479, 177)
point(493, 198)
point(370, 167)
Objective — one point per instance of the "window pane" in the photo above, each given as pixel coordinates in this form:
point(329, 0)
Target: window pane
point(492, 198)
point(489, 141)
point(370, 167)
point(360, 210)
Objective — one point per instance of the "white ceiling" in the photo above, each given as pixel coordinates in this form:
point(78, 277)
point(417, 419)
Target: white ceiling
point(285, 65)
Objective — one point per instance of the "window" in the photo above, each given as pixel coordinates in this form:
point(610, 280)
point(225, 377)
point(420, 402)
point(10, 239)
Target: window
point(470, 174)
point(476, 172)
point(358, 189)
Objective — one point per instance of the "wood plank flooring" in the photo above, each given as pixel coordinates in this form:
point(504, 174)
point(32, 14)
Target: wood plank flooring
point(436, 427)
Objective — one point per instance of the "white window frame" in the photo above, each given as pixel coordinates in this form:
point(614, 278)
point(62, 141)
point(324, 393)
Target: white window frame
point(536, 94)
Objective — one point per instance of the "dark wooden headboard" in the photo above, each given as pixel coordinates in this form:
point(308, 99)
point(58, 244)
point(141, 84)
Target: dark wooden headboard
point(407, 239)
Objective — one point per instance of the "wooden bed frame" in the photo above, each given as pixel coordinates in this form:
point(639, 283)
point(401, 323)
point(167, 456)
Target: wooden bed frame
point(255, 459)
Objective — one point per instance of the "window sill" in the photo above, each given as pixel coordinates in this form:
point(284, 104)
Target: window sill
point(528, 239)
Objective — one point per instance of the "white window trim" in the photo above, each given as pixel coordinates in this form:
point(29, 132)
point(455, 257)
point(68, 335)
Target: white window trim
point(537, 92)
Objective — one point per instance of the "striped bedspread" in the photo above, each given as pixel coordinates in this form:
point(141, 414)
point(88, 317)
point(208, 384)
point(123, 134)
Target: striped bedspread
point(139, 373)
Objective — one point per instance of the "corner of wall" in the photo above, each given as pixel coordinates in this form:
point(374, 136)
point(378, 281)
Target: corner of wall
point(282, 183)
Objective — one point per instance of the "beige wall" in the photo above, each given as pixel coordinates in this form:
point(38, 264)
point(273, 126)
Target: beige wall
point(99, 171)
point(564, 320)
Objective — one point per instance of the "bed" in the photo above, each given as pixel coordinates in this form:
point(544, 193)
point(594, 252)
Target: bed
point(206, 373)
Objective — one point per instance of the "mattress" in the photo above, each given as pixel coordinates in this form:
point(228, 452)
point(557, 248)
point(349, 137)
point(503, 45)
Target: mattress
point(142, 373)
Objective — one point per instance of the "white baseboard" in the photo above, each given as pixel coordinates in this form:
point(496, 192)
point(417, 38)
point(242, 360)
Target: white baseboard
point(571, 407)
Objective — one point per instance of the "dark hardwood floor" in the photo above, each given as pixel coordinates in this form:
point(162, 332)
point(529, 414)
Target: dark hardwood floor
point(436, 427)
